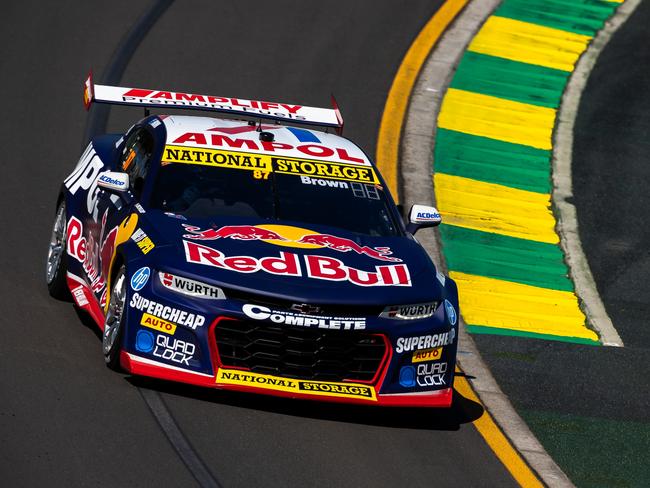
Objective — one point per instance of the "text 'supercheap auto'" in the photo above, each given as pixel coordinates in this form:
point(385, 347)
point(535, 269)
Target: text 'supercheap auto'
point(260, 251)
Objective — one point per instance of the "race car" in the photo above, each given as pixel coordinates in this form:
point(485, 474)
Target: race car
point(260, 251)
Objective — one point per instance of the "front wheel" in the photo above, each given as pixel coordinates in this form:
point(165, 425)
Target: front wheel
point(56, 269)
point(113, 326)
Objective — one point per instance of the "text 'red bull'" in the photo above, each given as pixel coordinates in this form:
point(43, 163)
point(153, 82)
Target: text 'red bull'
point(94, 258)
point(290, 264)
point(251, 232)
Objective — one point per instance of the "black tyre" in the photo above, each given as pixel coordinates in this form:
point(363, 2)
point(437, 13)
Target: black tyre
point(114, 323)
point(56, 266)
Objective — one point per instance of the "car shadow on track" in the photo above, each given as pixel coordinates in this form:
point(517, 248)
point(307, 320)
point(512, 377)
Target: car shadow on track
point(88, 322)
point(462, 410)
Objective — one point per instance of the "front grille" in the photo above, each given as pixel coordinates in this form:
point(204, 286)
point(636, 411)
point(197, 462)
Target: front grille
point(300, 353)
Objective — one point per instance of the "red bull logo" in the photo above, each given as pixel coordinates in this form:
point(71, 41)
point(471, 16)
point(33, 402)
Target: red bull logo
point(239, 232)
point(291, 237)
point(342, 244)
point(94, 258)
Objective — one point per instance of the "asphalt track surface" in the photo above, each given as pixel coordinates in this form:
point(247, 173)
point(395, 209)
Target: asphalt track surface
point(65, 419)
point(589, 405)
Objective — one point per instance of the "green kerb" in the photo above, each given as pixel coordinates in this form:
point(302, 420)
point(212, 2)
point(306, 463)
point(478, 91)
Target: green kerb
point(520, 82)
point(502, 163)
point(505, 258)
point(481, 329)
point(578, 16)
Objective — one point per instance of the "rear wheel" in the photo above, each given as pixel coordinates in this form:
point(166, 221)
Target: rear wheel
point(56, 266)
point(113, 326)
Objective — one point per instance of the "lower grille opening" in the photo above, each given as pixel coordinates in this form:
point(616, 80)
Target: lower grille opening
point(300, 353)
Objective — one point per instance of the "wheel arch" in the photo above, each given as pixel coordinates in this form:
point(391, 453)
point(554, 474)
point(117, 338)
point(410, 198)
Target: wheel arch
point(116, 263)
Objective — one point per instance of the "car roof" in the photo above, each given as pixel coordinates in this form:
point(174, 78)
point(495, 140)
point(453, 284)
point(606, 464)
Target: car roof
point(241, 135)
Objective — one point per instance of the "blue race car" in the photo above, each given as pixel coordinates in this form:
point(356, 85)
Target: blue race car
point(258, 255)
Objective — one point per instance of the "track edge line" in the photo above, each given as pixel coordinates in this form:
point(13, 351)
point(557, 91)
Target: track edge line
point(96, 123)
point(416, 149)
point(567, 219)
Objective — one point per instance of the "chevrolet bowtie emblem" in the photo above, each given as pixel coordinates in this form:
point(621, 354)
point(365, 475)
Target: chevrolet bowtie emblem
point(305, 308)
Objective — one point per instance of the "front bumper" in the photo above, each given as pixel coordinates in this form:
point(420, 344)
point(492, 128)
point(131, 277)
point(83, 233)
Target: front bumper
point(384, 389)
point(146, 367)
point(416, 369)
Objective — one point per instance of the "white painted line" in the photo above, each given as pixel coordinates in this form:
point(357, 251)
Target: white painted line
point(567, 225)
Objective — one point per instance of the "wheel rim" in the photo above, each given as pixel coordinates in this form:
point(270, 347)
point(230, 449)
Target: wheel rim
point(114, 314)
point(56, 247)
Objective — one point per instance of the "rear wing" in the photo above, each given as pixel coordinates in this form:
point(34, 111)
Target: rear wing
point(282, 112)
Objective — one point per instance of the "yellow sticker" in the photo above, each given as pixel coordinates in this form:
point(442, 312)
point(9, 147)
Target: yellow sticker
point(432, 354)
point(145, 245)
point(217, 157)
point(263, 164)
point(156, 323)
point(320, 169)
point(143, 241)
point(323, 388)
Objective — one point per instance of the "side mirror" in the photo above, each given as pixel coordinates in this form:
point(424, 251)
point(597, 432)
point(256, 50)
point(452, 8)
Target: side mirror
point(113, 181)
point(422, 216)
point(117, 184)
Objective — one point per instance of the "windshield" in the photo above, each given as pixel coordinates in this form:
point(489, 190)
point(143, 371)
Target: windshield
point(277, 193)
